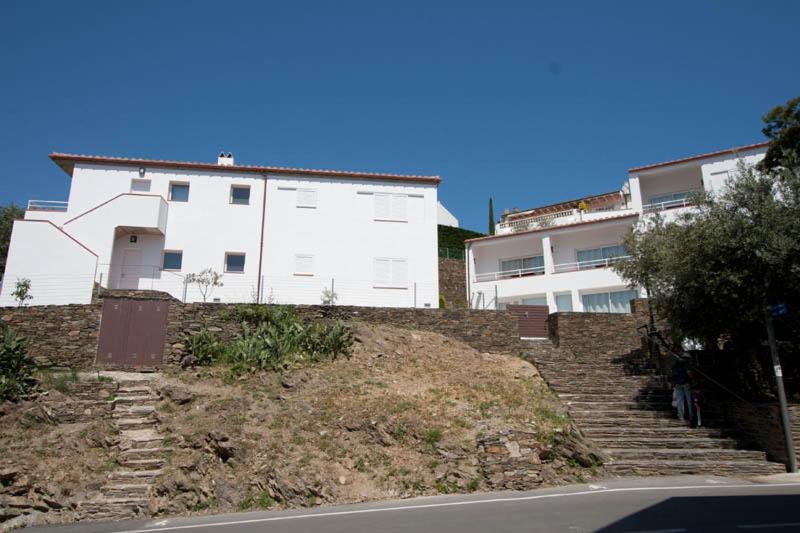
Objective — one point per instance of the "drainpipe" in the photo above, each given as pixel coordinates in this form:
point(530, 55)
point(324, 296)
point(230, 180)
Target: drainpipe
point(261, 243)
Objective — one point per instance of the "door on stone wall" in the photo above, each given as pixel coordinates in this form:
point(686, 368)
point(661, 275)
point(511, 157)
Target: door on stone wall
point(531, 319)
point(132, 333)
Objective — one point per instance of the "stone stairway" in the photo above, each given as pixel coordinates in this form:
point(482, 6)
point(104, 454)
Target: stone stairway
point(140, 455)
point(624, 407)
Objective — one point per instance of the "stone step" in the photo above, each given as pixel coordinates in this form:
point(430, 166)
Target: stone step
point(134, 389)
point(126, 490)
point(676, 432)
point(668, 467)
point(630, 405)
point(138, 400)
point(679, 454)
point(141, 464)
point(689, 441)
point(587, 422)
point(662, 396)
point(125, 476)
point(135, 423)
point(143, 453)
point(619, 414)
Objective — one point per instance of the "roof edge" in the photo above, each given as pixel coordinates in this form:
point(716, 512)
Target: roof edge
point(70, 159)
point(701, 156)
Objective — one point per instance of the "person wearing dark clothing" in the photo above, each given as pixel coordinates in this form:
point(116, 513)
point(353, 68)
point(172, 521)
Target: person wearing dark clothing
point(682, 393)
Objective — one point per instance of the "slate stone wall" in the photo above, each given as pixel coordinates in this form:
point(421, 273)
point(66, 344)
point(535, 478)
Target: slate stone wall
point(761, 423)
point(595, 333)
point(58, 335)
point(452, 283)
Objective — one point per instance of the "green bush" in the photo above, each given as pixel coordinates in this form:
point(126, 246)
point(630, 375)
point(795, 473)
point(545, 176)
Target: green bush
point(16, 366)
point(442, 302)
point(206, 347)
point(272, 338)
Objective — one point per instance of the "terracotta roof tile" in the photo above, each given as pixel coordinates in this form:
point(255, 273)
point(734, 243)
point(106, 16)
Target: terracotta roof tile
point(701, 156)
point(67, 162)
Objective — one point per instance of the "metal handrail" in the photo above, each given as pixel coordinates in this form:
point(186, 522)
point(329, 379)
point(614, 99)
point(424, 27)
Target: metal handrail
point(670, 204)
point(506, 274)
point(47, 205)
point(657, 337)
point(585, 265)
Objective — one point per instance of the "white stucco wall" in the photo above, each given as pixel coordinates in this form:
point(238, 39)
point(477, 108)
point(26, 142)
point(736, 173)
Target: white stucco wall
point(340, 232)
point(445, 217)
point(61, 271)
point(344, 238)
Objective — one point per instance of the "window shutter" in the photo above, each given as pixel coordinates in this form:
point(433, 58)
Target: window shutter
point(383, 272)
point(383, 206)
point(399, 273)
point(303, 264)
point(399, 207)
point(306, 198)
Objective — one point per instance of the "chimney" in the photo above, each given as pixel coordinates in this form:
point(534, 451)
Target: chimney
point(225, 160)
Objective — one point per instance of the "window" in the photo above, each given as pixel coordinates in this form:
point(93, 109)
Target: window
point(138, 185)
point(303, 265)
point(609, 302)
point(178, 192)
point(392, 273)
point(240, 194)
point(599, 257)
point(173, 260)
point(391, 207)
point(535, 300)
point(307, 198)
point(523, 265)
point(234, 262)
point(564, 302)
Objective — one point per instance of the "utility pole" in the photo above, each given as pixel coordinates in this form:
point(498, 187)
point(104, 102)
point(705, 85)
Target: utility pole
point(776, 365)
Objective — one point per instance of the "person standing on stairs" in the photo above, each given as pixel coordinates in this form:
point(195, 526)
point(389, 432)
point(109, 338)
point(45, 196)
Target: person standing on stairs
point(682, 394)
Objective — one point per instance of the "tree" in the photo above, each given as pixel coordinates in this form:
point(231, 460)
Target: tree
point(782, 128)
point(206, 281)
point(715, 270)
point(8, 214)
point(491, 216)
point(22, 291)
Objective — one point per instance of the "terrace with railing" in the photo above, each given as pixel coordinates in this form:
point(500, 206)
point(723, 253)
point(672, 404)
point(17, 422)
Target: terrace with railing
point(559, 218)
point(588, 265)
point(668, 204)
point(509, 274)
point(47, 205)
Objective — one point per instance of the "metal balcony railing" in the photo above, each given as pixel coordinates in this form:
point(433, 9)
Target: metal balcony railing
point(587, 265)
point(671, 204)
point(47, 205)
point(508, 274)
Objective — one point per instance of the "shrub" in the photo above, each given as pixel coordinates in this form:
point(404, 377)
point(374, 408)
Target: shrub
point(442, 302)
point(206, 347)
point(16, 366)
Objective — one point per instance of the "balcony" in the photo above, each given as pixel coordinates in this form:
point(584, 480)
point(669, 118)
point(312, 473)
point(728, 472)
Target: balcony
point(559, 218)
point(47, 205)
point(588, 265)
point(669, 204)
point(509, 274)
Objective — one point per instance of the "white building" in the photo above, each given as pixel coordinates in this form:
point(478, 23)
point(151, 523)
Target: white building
point(275, 234)
point(445, 217)
point(560, 255)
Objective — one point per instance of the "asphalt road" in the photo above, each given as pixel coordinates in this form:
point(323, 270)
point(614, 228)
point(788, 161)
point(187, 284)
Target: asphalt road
point(651, 505)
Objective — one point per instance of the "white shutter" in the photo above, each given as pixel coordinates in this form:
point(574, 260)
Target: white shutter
point(399, 207)
point(399, 273)
point(306, 198)
point(304, 264)
point(383, 206)
point(383, 272)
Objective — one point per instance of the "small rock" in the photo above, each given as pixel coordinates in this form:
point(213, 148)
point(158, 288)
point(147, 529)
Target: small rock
point(342, 480)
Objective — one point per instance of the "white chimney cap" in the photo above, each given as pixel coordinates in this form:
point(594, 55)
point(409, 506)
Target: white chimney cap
point(225, 160)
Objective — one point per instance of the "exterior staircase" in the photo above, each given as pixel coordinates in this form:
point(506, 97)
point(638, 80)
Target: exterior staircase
point(625, 407)
point(139, 459)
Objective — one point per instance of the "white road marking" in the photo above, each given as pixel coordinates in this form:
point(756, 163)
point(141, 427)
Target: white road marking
point(764, 526)
point(450, 504)
point(597, 487)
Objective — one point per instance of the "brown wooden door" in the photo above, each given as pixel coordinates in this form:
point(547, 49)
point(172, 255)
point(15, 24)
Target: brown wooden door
point(132, 333)
point(531, 319)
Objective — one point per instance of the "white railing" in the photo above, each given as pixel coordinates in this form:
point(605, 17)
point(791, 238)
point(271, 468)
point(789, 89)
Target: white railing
point(47, 205)
point(587, 265)
point(508, 274)
point(670, 204)
point(524, 224)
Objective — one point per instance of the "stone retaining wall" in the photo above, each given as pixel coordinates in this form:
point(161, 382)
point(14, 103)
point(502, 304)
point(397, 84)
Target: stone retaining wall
point(452, 282)
point(487, 331)
point(594, 333)
point(762, 424)
point(58, 335)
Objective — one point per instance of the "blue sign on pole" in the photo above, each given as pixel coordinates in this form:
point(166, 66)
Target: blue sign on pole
point(778, 310)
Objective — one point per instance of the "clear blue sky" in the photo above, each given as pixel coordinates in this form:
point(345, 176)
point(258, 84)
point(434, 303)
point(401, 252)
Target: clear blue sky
point(528, 103)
